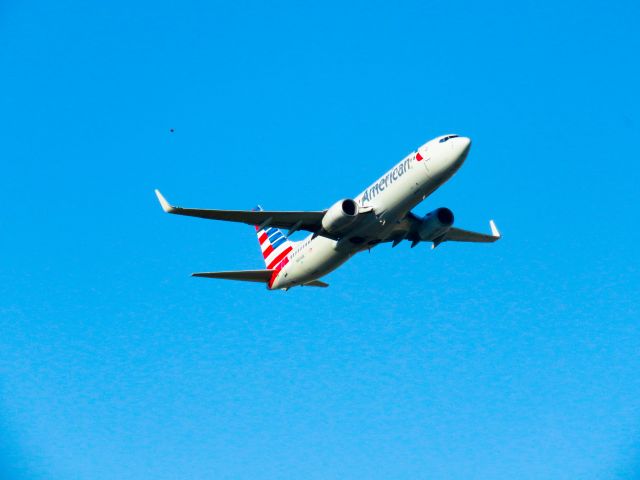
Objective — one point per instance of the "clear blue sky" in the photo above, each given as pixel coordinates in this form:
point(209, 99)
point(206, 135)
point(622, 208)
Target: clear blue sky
point(514, 360)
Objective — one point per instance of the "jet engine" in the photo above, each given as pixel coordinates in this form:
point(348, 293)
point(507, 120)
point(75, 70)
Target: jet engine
point(341, 214)
point(435, 224)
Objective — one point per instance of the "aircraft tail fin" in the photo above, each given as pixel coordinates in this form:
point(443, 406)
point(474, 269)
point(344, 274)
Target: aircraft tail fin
point(274, 244)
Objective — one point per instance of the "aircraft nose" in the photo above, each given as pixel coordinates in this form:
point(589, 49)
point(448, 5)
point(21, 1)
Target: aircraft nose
point(459, 150)
point(449, 157)
point(464, 145)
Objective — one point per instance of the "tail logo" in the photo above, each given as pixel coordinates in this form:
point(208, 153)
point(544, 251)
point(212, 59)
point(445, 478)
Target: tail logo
point(275, 246)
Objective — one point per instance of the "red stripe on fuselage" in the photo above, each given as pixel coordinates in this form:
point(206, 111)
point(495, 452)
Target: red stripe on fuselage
point(418, 156)
point(277, 272)
point(279, 258)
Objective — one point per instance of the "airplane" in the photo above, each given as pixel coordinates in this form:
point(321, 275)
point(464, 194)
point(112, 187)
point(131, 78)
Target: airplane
point(379, 214)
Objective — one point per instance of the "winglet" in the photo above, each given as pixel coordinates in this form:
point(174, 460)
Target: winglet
point(494, 230)
point(163, 201)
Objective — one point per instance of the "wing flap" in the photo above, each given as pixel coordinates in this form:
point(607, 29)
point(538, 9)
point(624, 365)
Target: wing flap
point(298, 220)
point(261, 276)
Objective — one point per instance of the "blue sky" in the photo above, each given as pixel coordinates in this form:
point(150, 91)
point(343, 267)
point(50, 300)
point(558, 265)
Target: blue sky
point(513, 360)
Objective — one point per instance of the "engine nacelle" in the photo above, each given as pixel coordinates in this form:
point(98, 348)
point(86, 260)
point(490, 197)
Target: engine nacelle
point(435, 224)
point(341, 214)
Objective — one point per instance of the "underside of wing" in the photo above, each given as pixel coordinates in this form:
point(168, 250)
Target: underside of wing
point(459, 235)
point(261, 276)
point(408, 229)
point(296, 220)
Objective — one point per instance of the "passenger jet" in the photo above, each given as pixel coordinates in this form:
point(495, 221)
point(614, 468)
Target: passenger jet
point(380, 214)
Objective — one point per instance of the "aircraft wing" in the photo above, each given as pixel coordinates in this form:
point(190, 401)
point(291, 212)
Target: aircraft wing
point(293, 221)
point(459, 235)
point(407, 230)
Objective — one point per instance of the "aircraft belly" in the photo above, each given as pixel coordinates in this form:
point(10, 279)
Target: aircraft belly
point(319, 259)
point(323, 257)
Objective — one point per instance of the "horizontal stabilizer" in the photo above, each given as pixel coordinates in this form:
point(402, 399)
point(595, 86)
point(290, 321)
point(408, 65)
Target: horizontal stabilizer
point(316, 283)
point(261, 276)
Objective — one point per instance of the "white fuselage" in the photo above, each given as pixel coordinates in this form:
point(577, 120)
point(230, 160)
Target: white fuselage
point(392, 196)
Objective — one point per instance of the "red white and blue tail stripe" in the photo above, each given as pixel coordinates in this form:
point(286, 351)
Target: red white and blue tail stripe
point(275, 246)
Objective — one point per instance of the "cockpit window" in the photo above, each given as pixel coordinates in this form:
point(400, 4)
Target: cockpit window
point(444, 139)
